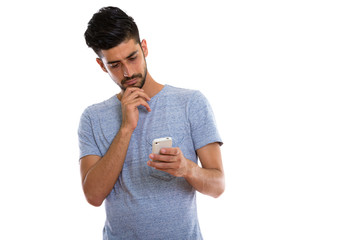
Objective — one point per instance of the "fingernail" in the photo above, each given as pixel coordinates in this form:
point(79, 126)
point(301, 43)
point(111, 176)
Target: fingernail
point(151, 156)
point(163, 151)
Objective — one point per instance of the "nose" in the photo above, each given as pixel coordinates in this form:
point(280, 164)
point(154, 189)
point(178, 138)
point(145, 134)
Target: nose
point(127, 72)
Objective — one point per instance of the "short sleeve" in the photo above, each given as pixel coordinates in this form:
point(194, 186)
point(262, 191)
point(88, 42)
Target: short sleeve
point(202, 121)
point(87, 143)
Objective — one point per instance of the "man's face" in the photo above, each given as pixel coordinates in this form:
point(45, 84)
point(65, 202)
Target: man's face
point(125, 63)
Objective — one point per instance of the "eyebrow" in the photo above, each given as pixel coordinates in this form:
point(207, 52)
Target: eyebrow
point(130, 56)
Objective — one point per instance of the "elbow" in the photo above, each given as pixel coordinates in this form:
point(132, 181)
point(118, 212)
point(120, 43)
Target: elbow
point(94, 202)
point(220, 189)
point(93, 199)
point(218, 193)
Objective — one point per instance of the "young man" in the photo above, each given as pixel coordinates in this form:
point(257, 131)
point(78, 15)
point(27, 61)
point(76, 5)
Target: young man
point(147, 196)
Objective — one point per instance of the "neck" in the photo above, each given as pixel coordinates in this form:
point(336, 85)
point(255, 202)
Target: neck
point(151, 87)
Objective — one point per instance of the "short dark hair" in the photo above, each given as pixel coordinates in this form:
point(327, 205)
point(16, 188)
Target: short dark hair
point(109, 27)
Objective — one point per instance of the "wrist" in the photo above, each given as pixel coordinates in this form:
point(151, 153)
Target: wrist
point(126, 130)
point(191, 170)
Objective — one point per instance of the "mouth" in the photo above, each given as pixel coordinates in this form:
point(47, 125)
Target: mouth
point(132, 81)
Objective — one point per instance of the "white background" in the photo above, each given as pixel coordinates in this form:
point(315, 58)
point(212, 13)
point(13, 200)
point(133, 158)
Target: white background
point(283, 81)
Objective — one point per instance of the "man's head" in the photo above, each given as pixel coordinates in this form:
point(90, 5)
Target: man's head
point(114, 37)
point(109, 27)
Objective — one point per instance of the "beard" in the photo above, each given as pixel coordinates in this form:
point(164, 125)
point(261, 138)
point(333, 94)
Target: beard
point(139, 84)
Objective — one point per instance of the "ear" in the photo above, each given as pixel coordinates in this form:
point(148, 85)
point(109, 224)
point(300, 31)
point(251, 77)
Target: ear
point(144, 47)
point(100, 62)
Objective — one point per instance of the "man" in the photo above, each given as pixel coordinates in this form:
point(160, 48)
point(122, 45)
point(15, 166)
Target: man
point(147, 196)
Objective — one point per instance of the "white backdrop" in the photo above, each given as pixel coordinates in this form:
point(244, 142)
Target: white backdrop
point(283, 81)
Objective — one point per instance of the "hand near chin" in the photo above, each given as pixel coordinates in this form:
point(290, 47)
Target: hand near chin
point(130, 100)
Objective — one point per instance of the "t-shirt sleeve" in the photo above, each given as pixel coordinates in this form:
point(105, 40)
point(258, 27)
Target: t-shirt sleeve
point(202, 121)
point(87, 143)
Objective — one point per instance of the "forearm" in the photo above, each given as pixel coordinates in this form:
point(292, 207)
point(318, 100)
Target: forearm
point(102, 176)
point(207, 181)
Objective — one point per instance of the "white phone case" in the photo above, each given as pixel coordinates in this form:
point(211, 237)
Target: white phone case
point(160, 143)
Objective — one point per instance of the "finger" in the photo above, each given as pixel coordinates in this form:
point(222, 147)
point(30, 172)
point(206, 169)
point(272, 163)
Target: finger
point(145, 104)
point(137, 102)
point(161, 165)
point(170, 151)
point(145, 96)
point(131, 90)
point(162, 158)
point(137, 94)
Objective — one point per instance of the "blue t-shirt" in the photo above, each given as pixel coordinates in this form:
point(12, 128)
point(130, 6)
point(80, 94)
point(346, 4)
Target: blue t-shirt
point(146, 203)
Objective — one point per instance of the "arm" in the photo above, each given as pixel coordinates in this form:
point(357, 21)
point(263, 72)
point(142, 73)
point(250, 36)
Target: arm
point(208, 179)
point(99, 174)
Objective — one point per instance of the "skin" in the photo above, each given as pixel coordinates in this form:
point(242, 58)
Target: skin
point(126, 65)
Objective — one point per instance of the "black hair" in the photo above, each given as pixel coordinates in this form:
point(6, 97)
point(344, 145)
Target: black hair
point(109, 27)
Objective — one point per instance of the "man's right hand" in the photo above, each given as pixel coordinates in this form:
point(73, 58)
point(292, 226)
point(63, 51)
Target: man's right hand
point(99, 174)
point(130, 100)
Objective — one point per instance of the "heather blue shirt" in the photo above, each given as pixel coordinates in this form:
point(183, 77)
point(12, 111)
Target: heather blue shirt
point(146, 203)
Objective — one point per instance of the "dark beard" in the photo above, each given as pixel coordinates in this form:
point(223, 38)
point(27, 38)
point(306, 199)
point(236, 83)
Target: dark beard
point(144, 79)
point(139, 75)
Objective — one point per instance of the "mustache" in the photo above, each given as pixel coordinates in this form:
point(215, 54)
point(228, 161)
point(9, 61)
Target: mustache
point(139, 75)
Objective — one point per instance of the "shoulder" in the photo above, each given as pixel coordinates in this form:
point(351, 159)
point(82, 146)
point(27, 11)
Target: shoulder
point(183, 94)
point(102, 107)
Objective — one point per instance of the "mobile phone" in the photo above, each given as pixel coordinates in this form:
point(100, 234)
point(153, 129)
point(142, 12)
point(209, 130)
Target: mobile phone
point(160, 143)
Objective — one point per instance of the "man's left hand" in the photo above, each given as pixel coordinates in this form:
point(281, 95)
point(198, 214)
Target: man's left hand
point(171, 160)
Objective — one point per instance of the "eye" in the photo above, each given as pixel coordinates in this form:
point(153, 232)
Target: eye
point(132, 58)
point(115, 65)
